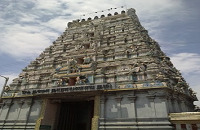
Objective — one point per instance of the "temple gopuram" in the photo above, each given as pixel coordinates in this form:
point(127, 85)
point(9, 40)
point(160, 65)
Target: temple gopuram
point(104, 73)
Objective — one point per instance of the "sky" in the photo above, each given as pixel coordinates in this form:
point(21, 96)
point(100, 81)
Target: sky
point(27, 27)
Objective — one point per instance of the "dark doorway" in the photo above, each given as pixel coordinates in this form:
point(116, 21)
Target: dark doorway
point(76, 115)
point(72, 81)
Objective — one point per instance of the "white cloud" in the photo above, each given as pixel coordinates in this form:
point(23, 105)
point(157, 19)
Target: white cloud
point(57, 23)
point(28, 28)
point(25, 41)
point(50, 5)
point(194, 83)
point(187, 62)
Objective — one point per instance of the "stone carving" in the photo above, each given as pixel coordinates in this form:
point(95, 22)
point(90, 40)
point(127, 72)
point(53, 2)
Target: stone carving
point(92, 45)
point(80, 80)
point(69, 24)
point(157, 83)
point(72, 62)
point(91, 26)
point(64, 81)
point(158, 76)
point(102, 70)
point(61, 81)
point(78, 47)
point(87, 60)
point(181, 83)
point(24, 79)
point(135, 49)
point(147, 84)
point(129, 86)
point(58, 69)
point(7, 88)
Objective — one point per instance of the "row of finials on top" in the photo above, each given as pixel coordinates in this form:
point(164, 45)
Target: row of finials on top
point(96, 17)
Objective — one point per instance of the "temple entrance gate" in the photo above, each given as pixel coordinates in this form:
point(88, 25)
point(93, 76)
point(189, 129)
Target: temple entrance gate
point(75, 115)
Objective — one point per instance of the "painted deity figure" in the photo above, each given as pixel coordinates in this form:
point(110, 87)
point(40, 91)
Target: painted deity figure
point(81, 80)
point(58, 69)
point(64, 81)
point(72, 62)
point(87, 60)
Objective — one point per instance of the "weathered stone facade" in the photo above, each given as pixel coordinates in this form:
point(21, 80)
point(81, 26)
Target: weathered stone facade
point(110, 60)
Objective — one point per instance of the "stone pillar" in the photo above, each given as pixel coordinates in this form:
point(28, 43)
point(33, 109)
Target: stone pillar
point(132, 99)
point(5, 107)
point(119, 111)
point(183, 107)
point(1, 107)
point(95, 119)
point(176, 103)
point(102, 102)
point(21, 103)
point(9, 105)
point(151, 99)
point(30, 104)
point(187, 106)
point(179, 105)
point(173, 105)
point(41, 115)
point(170, 105)
point(165, 108)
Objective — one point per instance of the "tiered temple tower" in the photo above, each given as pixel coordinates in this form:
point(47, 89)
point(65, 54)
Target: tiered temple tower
point(104, 73)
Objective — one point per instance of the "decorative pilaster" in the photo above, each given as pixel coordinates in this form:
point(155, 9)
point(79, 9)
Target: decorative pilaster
point(179, 105)
point(183, 106)
point(30, 104)
point(42, 112)
point(119, 111)
point(8, 104)
point(175, 103)
point(164, 103)
point(170, 105)
point(102, 101)
point(132, 99)
point(187, 106)
point(96, 105)
point(151, 99)
point(1, 107)
point(95, 119)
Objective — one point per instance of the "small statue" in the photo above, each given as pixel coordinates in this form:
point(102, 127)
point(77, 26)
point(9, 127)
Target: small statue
point(78, 47)
point(58, 69)
point(72, 62)
point(64, 81)
point(87, 60)
point(7, 88)
point(81, 80)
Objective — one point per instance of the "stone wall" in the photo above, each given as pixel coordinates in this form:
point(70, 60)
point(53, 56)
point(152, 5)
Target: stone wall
point(19, 113)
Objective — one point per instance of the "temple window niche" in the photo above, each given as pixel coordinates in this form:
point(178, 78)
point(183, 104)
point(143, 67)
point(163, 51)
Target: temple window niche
point(134, 77)
point(140, 77)
point(72, 81)
point(128, 54)
point(86, 46)
point(81, 80)
point(80, 60)
point(90, 78)
point(145, 76)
